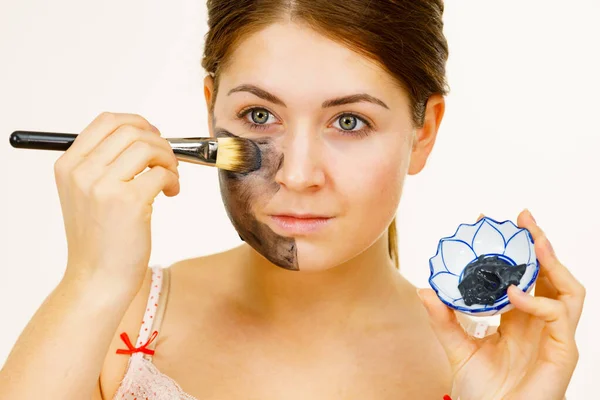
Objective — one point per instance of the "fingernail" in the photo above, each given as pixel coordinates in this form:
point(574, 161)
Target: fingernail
point(517, 290)
point(420, 293)
point(531, 215)
point(549, 246)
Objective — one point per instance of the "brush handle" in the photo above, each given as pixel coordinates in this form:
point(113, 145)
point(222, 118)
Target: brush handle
point(196, 150)
point(42, 140)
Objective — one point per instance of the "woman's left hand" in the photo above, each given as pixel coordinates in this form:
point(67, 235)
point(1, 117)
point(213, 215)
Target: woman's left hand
point(533, 353)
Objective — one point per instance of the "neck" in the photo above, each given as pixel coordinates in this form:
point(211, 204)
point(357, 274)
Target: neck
point(347, 291)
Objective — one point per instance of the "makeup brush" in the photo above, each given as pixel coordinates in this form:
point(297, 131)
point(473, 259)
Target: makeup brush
point(229, 153)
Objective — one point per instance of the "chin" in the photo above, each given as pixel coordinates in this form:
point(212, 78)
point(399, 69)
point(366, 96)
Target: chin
point(314, 256)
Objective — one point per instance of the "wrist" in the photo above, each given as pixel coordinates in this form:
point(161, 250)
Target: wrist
point(97, 291)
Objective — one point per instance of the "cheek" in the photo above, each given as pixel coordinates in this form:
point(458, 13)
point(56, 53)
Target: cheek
point(374, 200)
point(374, 192)
point(375, 181)
point(243, 194)
point(385, 181)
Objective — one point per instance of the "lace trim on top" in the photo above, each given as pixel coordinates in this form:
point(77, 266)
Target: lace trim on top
point(144, 381)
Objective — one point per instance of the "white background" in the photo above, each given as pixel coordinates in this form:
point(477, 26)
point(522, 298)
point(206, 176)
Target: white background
point(521, 130)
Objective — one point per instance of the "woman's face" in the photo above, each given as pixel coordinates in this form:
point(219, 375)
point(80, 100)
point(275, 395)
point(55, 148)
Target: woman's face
point(336, 136)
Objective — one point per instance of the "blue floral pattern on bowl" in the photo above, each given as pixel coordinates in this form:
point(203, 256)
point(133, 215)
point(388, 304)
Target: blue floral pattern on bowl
point(486, 237)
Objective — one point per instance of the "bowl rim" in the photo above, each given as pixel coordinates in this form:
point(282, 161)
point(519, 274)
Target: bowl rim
point(505, 301)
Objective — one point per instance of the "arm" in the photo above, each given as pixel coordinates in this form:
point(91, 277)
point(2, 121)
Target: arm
point(60, 352)
point(106, 197)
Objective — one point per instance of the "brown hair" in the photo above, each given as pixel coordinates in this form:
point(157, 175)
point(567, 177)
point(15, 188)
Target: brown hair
point(405, 37)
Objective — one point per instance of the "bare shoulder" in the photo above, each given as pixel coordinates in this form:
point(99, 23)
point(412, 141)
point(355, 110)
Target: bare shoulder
point(199, 267)
point(206, 274)
point(187, 277)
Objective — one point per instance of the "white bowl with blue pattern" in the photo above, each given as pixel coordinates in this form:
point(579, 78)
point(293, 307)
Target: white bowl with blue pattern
point(487, 237)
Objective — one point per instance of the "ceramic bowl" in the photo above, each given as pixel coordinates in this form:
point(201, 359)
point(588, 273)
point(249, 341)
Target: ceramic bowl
point(487, 237)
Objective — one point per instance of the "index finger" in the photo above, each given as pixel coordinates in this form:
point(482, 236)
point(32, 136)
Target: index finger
point(558, 275)
point(101, 127)
point(569, 289)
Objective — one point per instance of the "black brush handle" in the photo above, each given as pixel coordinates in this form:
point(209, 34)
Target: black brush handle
point(42, 140)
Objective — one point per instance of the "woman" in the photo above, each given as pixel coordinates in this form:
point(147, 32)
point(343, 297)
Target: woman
point(345, 99)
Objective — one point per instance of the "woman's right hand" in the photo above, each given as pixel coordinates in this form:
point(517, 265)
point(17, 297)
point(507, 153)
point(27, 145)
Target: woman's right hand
point(106, 212)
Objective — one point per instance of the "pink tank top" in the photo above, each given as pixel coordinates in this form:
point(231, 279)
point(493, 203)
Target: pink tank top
point(142, 380)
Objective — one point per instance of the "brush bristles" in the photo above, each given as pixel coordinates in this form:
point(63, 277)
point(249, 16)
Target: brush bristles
point(238, 155)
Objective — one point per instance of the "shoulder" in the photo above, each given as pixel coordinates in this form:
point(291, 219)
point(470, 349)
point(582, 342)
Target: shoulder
point(189, 277)
point(207, 273)
point(198, 265)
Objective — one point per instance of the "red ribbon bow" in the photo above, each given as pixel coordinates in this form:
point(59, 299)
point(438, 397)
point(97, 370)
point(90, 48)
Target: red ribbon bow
point(446, 397)
point(143, 348)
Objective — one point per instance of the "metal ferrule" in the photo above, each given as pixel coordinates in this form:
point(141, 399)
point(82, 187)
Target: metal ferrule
point(197, 150)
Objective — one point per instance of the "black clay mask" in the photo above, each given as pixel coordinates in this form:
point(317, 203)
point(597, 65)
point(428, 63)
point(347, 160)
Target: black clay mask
point(486, 279)
point(241, 191)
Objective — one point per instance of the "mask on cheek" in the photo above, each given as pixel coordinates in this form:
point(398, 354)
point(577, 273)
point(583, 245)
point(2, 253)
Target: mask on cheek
point(241, 192)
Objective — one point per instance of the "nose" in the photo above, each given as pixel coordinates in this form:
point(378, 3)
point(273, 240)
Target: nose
point(302, 167)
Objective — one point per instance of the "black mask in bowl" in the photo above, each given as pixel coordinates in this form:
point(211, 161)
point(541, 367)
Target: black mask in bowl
point(486, 279)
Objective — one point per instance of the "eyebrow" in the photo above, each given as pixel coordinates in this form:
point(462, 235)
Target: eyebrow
point(338, 101)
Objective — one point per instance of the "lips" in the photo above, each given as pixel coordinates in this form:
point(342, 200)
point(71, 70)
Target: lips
point(293, 223)
point(300, 215)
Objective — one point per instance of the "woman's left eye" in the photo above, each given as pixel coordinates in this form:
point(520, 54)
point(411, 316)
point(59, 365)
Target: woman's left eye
point(352, 124)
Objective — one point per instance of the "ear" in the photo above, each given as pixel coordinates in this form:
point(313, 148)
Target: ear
point(209, 86)
point(425, 137)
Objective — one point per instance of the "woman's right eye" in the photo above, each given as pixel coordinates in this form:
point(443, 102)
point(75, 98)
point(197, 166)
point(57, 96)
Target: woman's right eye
point(258, 116)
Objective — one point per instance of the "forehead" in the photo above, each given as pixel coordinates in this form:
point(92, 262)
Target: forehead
point(293, 58)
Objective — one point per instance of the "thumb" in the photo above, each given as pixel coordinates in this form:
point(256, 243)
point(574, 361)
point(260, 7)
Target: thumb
point(456, 342)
